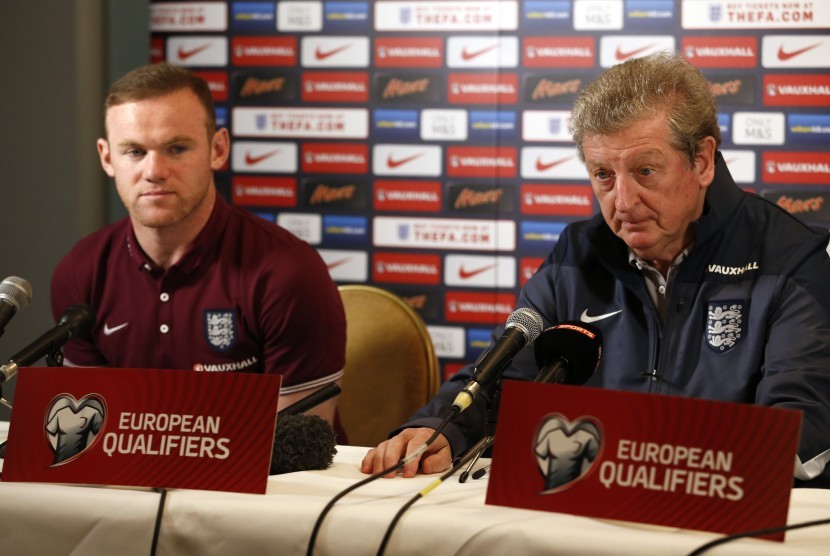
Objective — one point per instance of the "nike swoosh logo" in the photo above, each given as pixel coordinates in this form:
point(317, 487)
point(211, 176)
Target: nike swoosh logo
point(322, 55)
point(626, 55)
point(784, 56)
point(542, 166)
point(584, 317)
point(392, 163)
point(108, 330)
point(185, 54)
point(335, 264)
point(464, 273)
point(467, 55)
point(250, 159)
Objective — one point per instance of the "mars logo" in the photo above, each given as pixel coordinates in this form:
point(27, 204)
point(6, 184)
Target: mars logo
point(565, 451)
point(72, 426)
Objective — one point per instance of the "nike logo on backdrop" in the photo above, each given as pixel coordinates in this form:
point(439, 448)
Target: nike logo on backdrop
point(108, 330)
point(185, 54)
point(392, 163)
point(622, 55)
point(467, 55)
point(463, 273)
point(251, 159)
point(584, 317)
point(335, 264)
point(784, 56)
point(322, 55)
point(542, 166)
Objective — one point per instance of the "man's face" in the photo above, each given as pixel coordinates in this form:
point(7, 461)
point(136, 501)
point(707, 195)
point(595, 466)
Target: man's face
point(648, 192)
point(162, 160)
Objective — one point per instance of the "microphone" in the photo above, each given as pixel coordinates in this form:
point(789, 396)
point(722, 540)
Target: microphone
point(304, 442)
point(15, 294)
point(568, 353)
point(77, 321)
point(522, 327)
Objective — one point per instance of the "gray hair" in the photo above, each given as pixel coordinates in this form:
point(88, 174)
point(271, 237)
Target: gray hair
point(636, 89)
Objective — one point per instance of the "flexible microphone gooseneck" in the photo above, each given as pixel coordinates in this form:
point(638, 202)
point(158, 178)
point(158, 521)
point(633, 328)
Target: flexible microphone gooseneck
point(566, 353)
point(76, 322)
point(523, 326)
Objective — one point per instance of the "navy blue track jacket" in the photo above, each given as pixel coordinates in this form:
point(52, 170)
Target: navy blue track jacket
point(750, 257)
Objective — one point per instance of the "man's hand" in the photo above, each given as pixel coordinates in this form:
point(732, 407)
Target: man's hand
point(435, 459)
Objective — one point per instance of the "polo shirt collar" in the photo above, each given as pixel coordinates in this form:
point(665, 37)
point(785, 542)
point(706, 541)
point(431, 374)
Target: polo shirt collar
point(205, 244)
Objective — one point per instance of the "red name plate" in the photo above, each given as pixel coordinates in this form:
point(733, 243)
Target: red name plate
point(663, 460)
point(143, 427)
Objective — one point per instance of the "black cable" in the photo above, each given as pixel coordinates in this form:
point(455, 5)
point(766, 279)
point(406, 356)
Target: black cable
point(159, 514)
point(473, 454)
point(403, 461)
point(711, 544)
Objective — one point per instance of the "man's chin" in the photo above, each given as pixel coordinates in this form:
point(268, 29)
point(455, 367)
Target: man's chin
point(640, 243)
point(156, 220)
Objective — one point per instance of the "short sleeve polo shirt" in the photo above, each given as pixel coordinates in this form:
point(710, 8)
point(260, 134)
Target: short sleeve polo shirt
point(247, 296)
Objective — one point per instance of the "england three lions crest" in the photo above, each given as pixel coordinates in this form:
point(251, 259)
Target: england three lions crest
point(220, 329)
point(725, 324)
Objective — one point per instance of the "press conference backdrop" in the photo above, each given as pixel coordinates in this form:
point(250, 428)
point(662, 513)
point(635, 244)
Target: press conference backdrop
point(422, 145)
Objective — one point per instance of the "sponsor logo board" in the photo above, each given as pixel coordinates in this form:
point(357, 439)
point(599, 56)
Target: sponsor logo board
point(407, 195)
point(486, 15)
point(346, 265)
point(263, 191)
point(406, 268)
point(310, 123)
point(556, 199)
point(476, 271)
point(444, 233)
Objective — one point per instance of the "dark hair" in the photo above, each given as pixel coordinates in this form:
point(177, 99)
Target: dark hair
point(628, 92)
point(155, 80)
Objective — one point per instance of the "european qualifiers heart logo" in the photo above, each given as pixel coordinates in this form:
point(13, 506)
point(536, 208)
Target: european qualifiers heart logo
point(566, 450)
point(72, 426)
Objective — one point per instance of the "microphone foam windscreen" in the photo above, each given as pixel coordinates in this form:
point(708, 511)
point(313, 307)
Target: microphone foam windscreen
point(302, 443)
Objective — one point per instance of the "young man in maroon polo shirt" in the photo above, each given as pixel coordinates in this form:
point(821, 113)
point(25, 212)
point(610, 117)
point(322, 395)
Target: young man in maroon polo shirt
point(187, 281)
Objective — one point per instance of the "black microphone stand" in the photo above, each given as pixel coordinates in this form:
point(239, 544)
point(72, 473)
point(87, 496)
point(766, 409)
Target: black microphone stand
point(489, 431)
point(54, 359)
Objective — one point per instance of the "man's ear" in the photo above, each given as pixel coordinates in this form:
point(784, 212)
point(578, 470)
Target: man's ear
point(104, 155)
point(705, 160)
point(219, 149)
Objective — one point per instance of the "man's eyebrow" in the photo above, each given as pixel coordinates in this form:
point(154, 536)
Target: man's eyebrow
point(172, 141)
point(128, 143)
point(180, 139)
point(638, 157)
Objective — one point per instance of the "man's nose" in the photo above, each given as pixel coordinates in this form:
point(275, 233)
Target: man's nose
point(627, 193)
point(155, 166)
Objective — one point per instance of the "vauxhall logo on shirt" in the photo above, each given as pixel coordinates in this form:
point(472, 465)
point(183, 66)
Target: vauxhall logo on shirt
point(732, 270)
